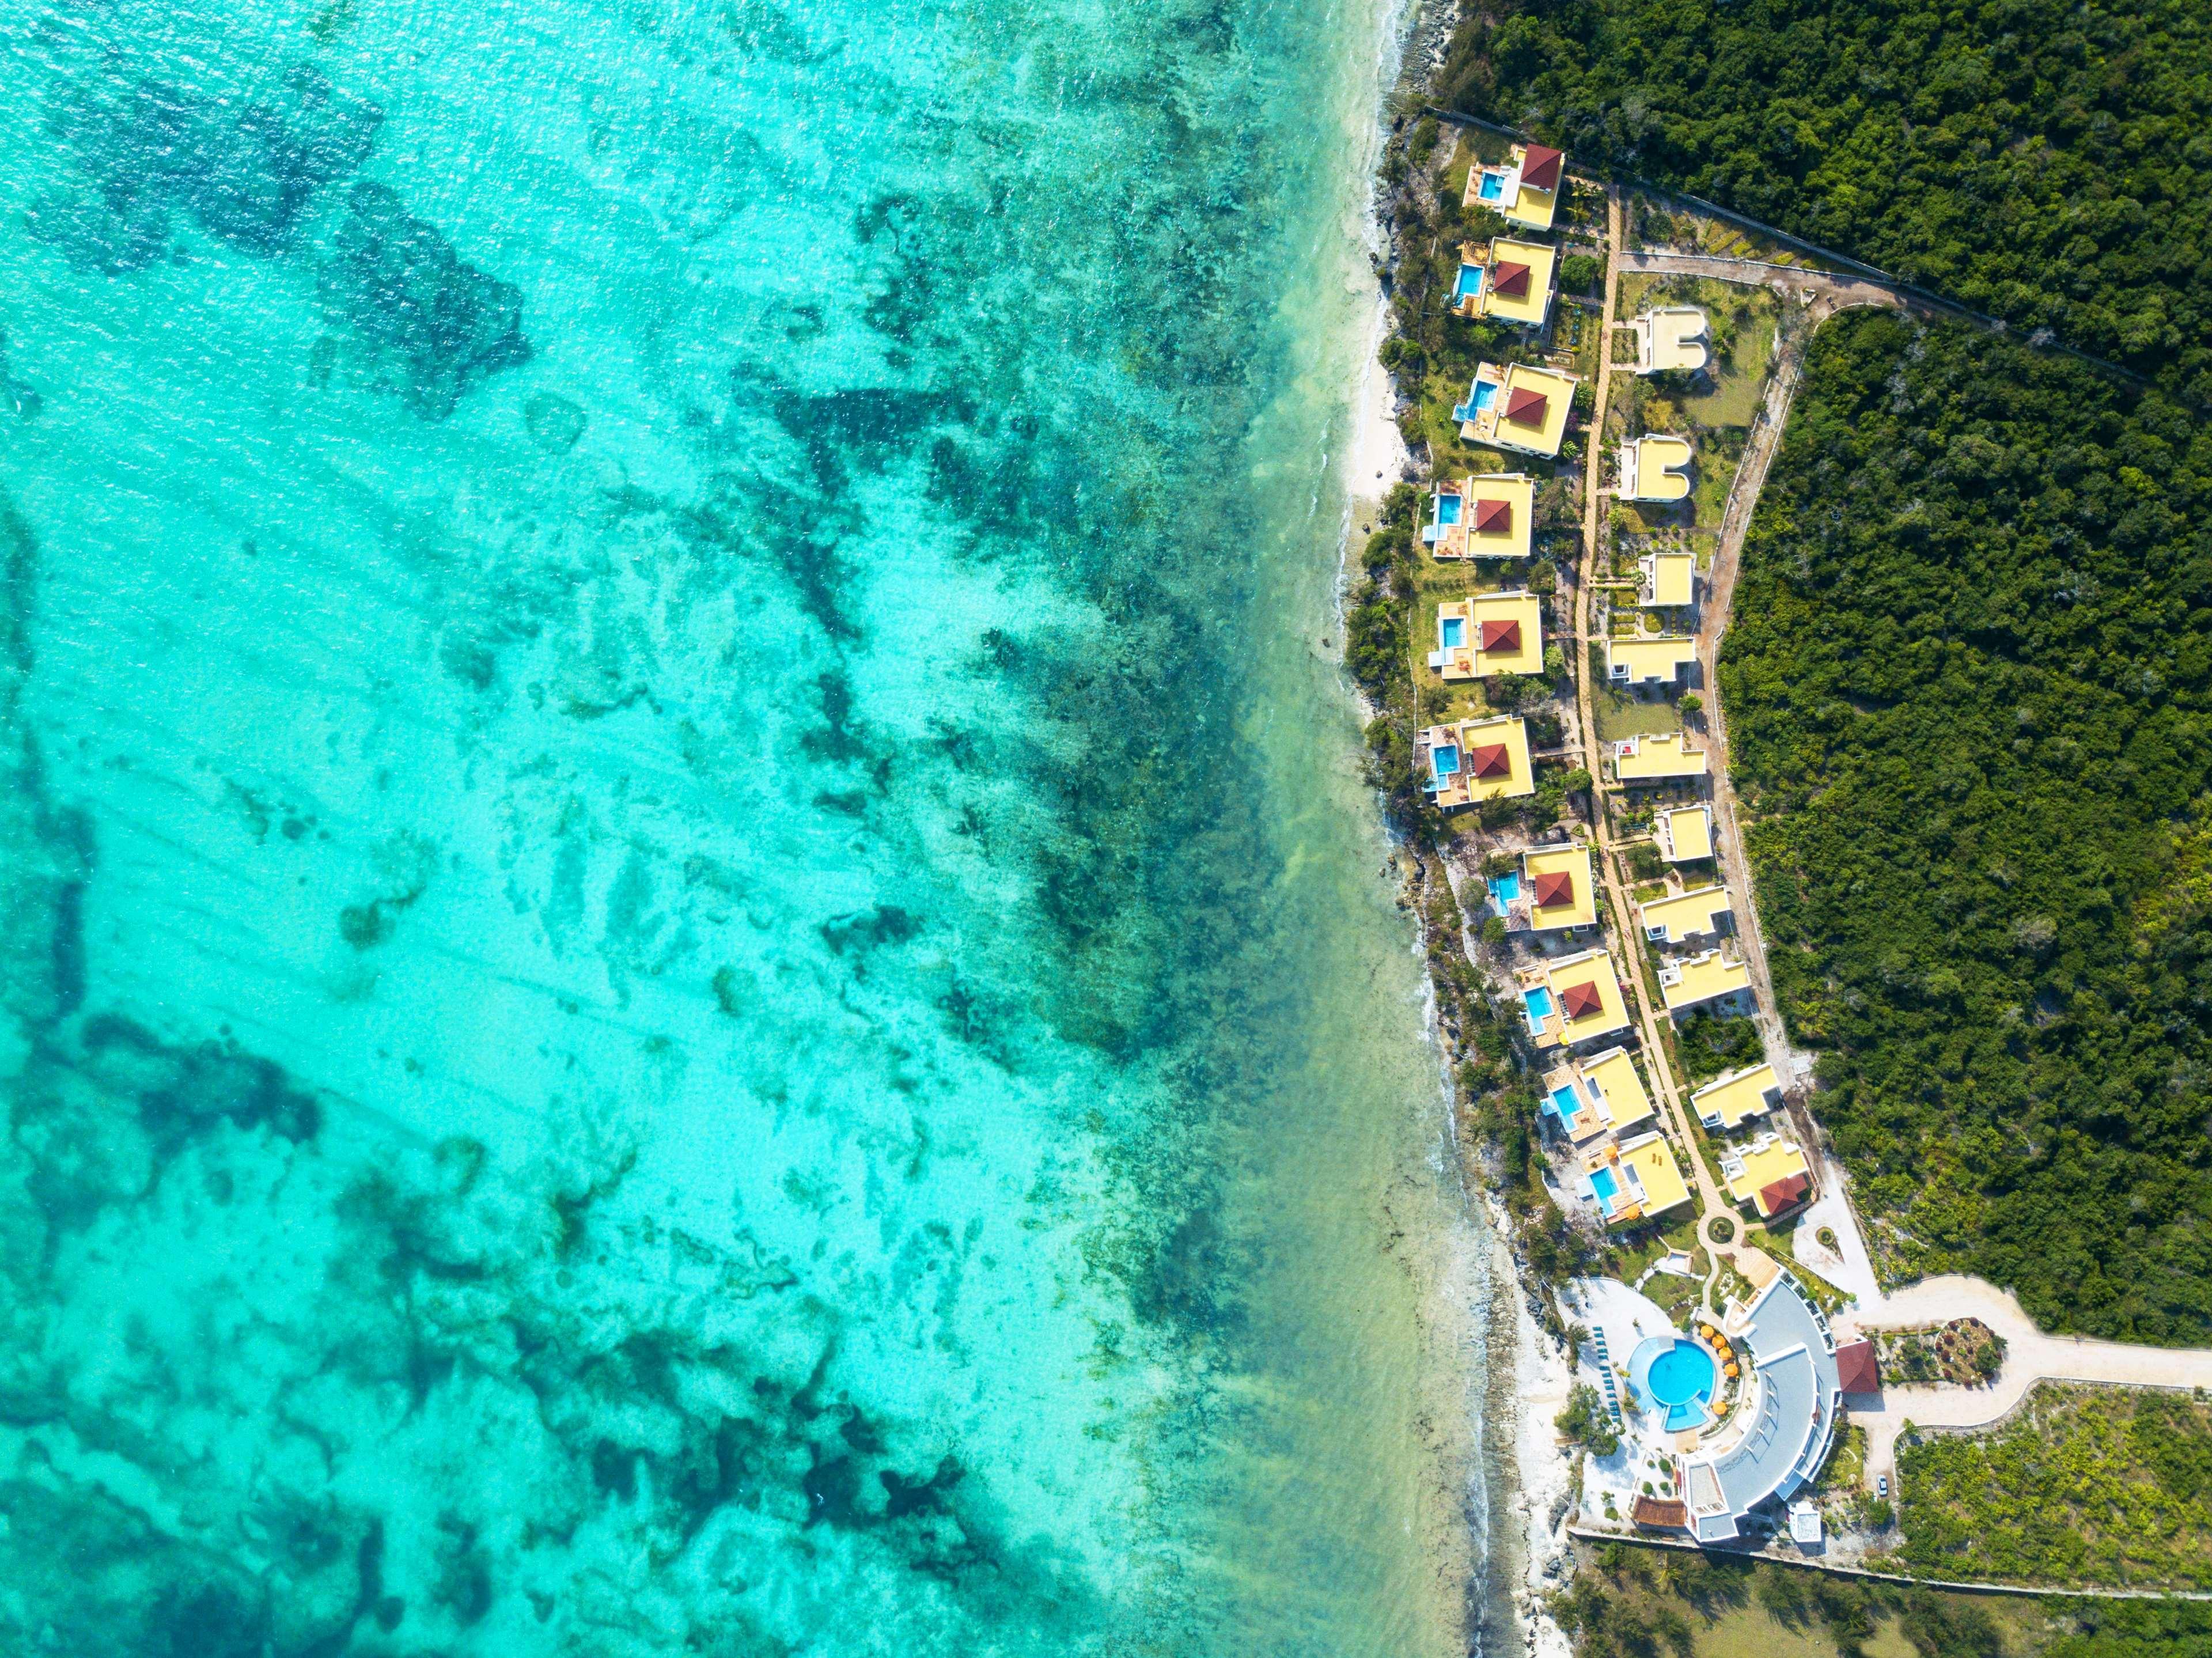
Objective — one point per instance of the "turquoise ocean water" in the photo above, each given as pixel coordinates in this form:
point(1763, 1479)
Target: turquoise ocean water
point(692, 960)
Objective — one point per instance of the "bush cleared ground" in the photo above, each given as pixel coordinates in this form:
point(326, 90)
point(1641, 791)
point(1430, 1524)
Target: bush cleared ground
point(1969, 686)
point(2100, 1487)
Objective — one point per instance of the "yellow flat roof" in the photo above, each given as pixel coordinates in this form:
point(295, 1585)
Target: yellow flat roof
point(1613, 1073)
point(1655, 468)
point(1700, 979)
point(1671, 340)
point(1661, 658)
point(1513, 538)
point(1593, 968)
point(1671, 578)
point(1525, 653)
point(1459, 786)
point(1655, 1173)
point(1579, 907)
point(1729, 1100)
point(1534, 303)
point(1685, 833)
point(1763, 1166)
point(1685, 913)
point(1656, 755)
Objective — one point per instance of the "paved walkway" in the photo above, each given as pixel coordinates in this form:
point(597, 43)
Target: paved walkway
point(2031, 1356)
point(1840, 292)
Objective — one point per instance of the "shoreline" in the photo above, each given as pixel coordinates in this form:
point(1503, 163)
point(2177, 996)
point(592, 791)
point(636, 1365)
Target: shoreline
point(1530, 1480)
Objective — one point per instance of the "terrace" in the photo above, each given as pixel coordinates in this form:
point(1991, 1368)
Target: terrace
point(1731, 1101)
point(1488, 634)
point(1702, 978)
point(1771, 1175)
point(1561, 893)
point(1656, 757)
point(1670, 340)
point(1656, 660)
point(1655, 467)
point(1684, 834)
point(1475, 760)
point(1684, 915)
point(1516, 406)
point(1572, 999)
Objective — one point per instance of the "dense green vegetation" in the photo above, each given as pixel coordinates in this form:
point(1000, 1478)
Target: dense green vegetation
point(2047, 162)
point(1969, 683)
point(2094, 1487)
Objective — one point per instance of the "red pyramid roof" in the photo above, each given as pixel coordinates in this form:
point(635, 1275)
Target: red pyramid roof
point(1540, 168)
point(1510, 280)
point(1492, 762)
point(1555, 886)
point(1501, 635)
point(1782, 1192)
point(1526, 408)
point(1857, 1369)
point(1581, 999)
point(1493, 517)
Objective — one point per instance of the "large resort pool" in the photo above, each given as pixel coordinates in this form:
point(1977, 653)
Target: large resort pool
point(1679, 1377)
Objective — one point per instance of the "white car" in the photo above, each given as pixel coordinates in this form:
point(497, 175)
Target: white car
point(1881, 1484)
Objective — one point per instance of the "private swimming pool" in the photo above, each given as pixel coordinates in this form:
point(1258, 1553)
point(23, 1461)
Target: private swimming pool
point(1492, 187)
point(1447, 509)
point(1451, 631)
point(1608, 1189)
point(1677, 1375)
point(1470, 283)
point(1569, 1107)
point(1444, 761)
point(1538, 1000)
point(1504, 888)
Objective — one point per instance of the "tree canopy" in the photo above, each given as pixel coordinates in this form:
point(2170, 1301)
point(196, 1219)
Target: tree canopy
point(1969, 687)
point(2045, 162)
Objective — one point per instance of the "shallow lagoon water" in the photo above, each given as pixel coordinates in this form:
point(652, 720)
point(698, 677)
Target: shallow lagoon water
point(693, 959)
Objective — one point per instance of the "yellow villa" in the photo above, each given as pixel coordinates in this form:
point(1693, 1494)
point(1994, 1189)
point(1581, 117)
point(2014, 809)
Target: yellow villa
point(1573, 999)
point(1490, 633)
point(1475, 760)
point(1682, 916)
point(1635, 1180)
point(1525, 189)
point(1653, 757)
point(1655, 468)
point(1652, 659)
point(1516, 406)
point(1556, 882)
point(1771, 1175)
point(1729, 1101)
point(1490, 515)
point(1705, 977)
point(1670, 340)
point(1685, 834)
point(1602, 1095)
point(1668, 579)
point(1511, 282)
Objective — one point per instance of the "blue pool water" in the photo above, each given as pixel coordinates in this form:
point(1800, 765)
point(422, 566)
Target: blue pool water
point(1569, 1106)
point(1538, 1000)
point(1447, 509)
point(1492, 187)
point(1470, 283)
point(1504, 888)
point(1451, 631)
point(1486, 393)
point(1606, 1188)
point(1445, 759)
point(1679, 1377)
